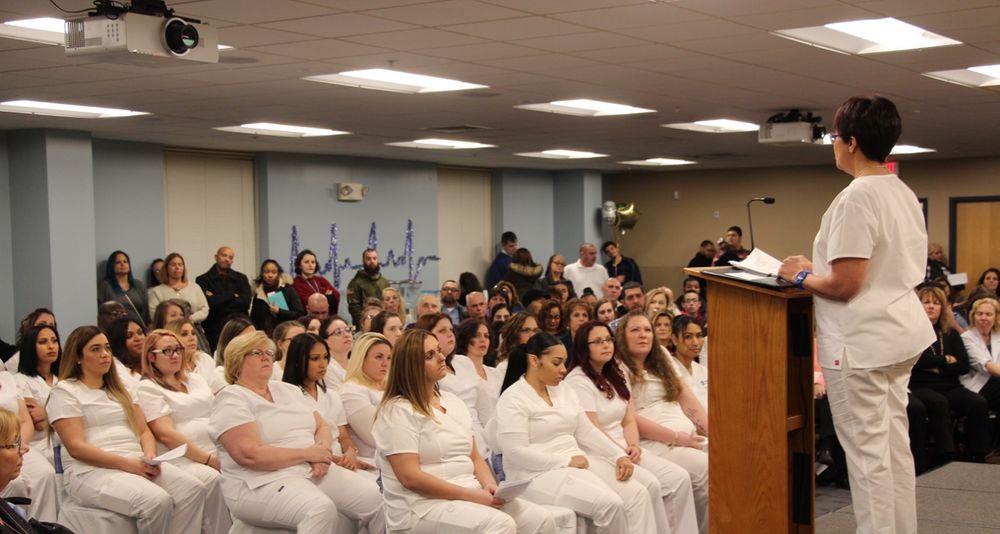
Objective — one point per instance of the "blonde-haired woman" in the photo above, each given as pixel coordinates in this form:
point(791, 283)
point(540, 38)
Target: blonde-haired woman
point(433, 476)
point(174, 285)
point(660, 299)
point(176, 403)
point(104, 431)
point(195, 360)
point(363, 387)
point(982, 341)
point(11, 453)
point(393, 302)
point(277, 462)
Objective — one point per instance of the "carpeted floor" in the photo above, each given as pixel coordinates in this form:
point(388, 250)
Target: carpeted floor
point(959, 498)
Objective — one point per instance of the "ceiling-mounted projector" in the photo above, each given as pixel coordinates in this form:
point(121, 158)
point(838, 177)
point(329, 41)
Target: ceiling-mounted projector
point(139, 34)
point(791, 128)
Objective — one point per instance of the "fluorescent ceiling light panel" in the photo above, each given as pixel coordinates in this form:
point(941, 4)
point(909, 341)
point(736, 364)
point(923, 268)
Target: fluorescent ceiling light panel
point(280, 130)
point(46, 30)
point(584, 107)
point(910, 149)
point(981, 76)
point(394, 80)
point(440, 144)
point(715, 126)
point(561, 153)
point(55, 109)
point(869, 36)
point(658, 162)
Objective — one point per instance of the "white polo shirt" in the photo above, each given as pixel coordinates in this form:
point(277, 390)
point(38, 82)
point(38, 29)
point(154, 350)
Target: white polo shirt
point(877, 218)
point(582, 277)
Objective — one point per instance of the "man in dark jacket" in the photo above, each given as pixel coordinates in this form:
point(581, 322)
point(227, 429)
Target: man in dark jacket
point(501, 263)
point(227, 292)
point(367, 283)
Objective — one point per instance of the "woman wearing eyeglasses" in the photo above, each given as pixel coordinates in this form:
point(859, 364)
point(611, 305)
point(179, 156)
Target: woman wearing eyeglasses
point(339, 339)
point(277, 458)
point(604, 396)
point(103, 428)
point(516, 331)
point(176, 403)
point(11, 453)
point(434, 478)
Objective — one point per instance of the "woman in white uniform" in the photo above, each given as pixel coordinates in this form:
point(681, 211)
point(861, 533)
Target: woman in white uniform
point(434, 478)
point(195, 361)
point(671, 421)
point(388, 324)
point(37, 481)
point(127, 338)
point(541, 432)
point(689, 338)
point(473, 339)
point(176, 403)
point(277, 464)
point(604, 396)
point(516, 331)
point(283, 335)
point(340, 340)
point(307, 359)
point(363, 387)
point(104, 431)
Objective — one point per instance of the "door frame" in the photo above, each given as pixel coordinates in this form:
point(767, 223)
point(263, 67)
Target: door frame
point(953, 203)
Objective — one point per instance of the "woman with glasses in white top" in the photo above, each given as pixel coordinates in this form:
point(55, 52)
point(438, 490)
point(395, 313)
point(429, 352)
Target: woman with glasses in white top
point(176, 403)
point(339, 339)
point(277, 461)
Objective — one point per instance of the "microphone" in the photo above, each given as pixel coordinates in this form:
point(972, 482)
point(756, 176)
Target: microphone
point(765, 200)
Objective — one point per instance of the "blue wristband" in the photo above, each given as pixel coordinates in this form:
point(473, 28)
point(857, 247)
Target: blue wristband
point(800, 278)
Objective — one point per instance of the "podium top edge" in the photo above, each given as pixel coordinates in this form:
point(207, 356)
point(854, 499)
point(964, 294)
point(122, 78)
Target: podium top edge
point(704, 273)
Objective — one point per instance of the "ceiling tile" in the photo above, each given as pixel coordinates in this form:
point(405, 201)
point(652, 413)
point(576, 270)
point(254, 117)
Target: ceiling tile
point(579, 42)
point(250, 11)
point(521, 28)
point(635, 54)
point(445, 13)
point(319, 49)
point(404, 40)
point(561, 6)
point(632, 16)
point(339, 25)
point(698, 29)
point(247, 36)
point(481, 51)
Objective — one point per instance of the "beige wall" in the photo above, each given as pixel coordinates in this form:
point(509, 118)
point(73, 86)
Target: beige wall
point(669, 231)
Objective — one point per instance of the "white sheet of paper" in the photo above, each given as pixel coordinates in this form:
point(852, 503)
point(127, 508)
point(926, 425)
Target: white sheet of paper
point(172, 454)
point(958, 279)
point(508, 489)
point(759, 262)
point(748, 276)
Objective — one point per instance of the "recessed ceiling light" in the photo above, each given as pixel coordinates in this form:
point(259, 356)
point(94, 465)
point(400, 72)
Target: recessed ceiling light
point(867, 36)
point(561, 153)
point(585, 108)
point(715, 126)
point(280, 130)
point(981, 76)
point(658, 162)
point(910, 149)
point(56, 109)
point(440, 144)
point(394, 80)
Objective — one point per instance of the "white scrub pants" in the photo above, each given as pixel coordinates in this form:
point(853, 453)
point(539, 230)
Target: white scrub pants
point(674, 483)
point(515, 517)
point(614, 507)
point(309, 505)
point(37, 482)
point(216, 519)
point(869, 413)
point(171, 503)
point(695, 462)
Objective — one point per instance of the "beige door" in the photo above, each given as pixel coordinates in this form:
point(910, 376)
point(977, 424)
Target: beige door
point(210, 202)
point(977, 237)
point(465, 222)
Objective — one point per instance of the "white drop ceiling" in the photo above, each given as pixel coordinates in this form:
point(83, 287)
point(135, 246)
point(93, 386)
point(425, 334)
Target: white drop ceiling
point(688, 59)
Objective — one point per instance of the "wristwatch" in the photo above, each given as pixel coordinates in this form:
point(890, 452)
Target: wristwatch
point(800, 278)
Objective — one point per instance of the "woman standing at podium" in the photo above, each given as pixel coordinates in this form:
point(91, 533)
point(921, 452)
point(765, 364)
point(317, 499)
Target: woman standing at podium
point(868, 256)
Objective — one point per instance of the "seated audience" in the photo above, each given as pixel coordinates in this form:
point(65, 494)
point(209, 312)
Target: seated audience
point(982, 342)
point(311, 323)
point(663, 329)
point(603, 392)
point(339, 340)
point(427, 304)
point(195, 361)
point(363, 387)
point(576, 312)
point(434, 477)
point(371, 308)
point(692, 306)
point(542, 431)
point(392, 302)
point(508, 290)
point(109, 312)
point(551, 318)
point(604, 311)
point(688, 338)
point(468, 283)
point(308, 281)
point(235, 326)
point(127, 338)
point(937, 265)
point(516, 331)
point(671, 421)
point(106, 440)
point(389, 325)
point(308, 357)
point(174, 285)
point(318, 305)
point(282, 336)
point(37, 317)
point(37, 372)
point(476, 305)
point(275, 299)
point(990, 279)
point(278, 468)
point(12, 450)
point(660, 299)
point(731, 249)
point(176, 404)
point(120, 286)
point(554, 272)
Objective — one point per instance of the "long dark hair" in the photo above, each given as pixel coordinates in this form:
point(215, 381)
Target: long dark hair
point(297, 359)
point(118, 339)
point(610, 381)
point(428, 322)
point(28, 365)
point(109, 272)
point(467, 330)
point(518, 361)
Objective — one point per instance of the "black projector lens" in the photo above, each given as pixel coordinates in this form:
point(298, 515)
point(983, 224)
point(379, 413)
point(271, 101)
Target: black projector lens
point(180, 36)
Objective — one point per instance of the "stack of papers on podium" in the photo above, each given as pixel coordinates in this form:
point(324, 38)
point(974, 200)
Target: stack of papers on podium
point(757, 265)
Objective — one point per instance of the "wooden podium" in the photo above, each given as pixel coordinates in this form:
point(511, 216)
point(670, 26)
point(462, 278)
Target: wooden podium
point(761, 428)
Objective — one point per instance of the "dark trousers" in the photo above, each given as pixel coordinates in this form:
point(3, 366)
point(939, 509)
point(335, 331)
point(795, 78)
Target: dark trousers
point(916, 413)
point(991, 392)
point(939, 406)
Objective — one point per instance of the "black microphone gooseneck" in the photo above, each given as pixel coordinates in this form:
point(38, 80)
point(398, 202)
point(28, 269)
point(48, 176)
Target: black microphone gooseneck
point(765, 200)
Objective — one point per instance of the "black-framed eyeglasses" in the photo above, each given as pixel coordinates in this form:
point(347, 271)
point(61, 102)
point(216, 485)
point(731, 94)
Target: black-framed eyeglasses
point(169, 351)
point(16, 445)
point(601, 341)
point(834, 137)
point(261, 353)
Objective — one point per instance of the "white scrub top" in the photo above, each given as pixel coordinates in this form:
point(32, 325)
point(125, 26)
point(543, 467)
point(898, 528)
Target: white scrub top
point(359, 407)
point(651, 404)
point(328, 404)
point(610, 412)
point(9, 392)
point(189, 411)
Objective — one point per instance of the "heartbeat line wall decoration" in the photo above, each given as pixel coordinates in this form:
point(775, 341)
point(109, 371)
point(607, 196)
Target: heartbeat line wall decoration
point(413, 263)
